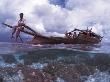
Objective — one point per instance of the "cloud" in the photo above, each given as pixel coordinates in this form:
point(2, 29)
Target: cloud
point(49, 17)
point(53, 17)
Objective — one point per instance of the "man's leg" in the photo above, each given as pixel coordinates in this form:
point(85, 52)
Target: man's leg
point(13, 31)
point(17, 33)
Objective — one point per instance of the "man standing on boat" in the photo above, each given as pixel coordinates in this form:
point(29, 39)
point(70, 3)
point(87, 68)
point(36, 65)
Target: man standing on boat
point(17, 29)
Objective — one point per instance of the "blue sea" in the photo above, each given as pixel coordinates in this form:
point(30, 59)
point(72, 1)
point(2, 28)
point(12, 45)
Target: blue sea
point(54, 63)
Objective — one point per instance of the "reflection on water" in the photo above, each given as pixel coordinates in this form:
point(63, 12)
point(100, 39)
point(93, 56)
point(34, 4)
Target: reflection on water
point(57, 63)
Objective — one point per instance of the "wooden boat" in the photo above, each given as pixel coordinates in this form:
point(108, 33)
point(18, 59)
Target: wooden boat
point(80, 39)
point(83, 37)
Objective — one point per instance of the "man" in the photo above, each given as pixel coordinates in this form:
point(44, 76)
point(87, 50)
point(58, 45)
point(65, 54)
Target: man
point(68, 34)
point(74, 35)
point(19, 27)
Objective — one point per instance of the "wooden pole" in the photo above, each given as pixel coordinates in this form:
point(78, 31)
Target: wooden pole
point(27, 32)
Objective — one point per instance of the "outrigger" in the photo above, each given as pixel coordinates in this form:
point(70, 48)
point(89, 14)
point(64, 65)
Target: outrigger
point(76, 36)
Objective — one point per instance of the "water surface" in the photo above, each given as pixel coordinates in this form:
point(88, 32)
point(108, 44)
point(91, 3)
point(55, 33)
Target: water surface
point(57, 63)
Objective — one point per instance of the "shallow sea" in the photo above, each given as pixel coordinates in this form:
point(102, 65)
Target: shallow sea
point(54, 63)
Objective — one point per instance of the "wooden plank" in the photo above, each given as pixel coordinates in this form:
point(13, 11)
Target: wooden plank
point(27, 32)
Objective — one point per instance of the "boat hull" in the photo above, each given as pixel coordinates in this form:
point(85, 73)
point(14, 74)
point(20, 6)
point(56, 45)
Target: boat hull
point(59, 40)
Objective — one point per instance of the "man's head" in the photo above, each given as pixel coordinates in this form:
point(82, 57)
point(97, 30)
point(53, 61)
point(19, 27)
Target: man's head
point(21, 15)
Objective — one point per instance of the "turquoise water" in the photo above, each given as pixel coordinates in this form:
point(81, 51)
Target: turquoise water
point(67, 63)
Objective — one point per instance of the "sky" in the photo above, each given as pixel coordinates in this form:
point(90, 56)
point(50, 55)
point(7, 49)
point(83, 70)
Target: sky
point(55, 17)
